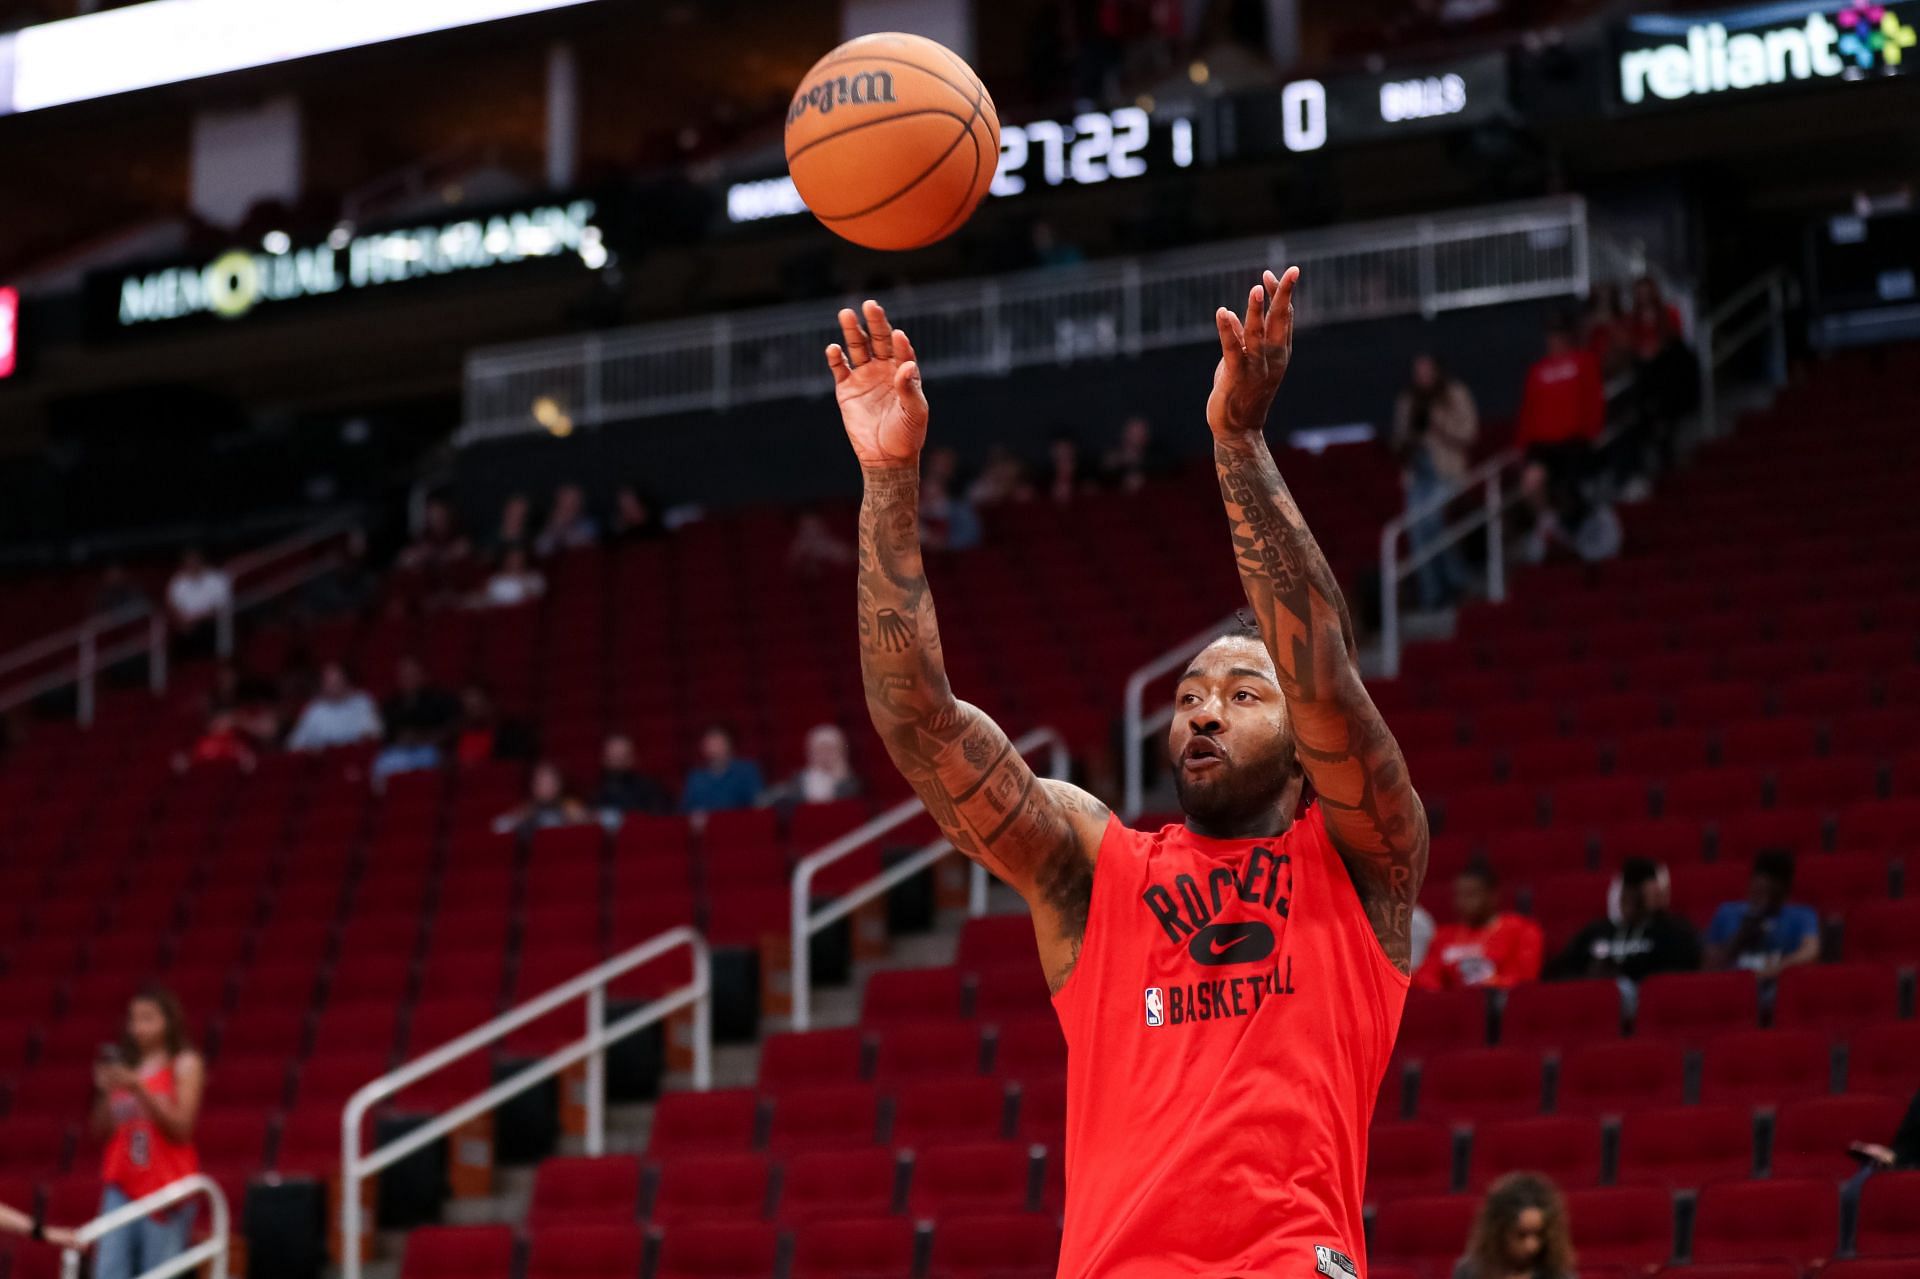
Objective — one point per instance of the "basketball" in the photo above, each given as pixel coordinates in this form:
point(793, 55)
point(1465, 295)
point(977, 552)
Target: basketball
point(892, 141)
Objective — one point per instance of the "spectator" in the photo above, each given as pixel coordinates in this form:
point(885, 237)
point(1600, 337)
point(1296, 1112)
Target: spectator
point(338, 714)
point(484, 735)
point(817, 549)
point(347, 586)
point(1766, 932)
point(1135, 459)
point(516, 524)
point(828, 774)
point(1064, 480)
point(117, 590)
point(1003, 479)
point(1521, 1232)
point(1603, 330)
point(1902, 1153)
point(634, 517)
point(514, 583)
point(947, 522)
point(623, 787)
point(547, 804)
point(569, 526)
point(1434, 426)
point(147, 1095)
point(418, 718)
point(15, 1222)
point(1664, 386)
point(439, 546)
point(196, 596)
point(721, 780)
point(1562, 413)
point(1636, 938)
point(1488, 947)
point(1421, 927)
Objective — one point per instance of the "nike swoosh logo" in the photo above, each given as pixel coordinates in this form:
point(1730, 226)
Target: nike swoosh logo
point(1214, 945)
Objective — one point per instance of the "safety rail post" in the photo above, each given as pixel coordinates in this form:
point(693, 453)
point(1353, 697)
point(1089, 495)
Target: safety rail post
point(87, 664)
point(1721, 337)
point(356, 1166)
point(212, 1251)
point(805, 922)
point(157, 652)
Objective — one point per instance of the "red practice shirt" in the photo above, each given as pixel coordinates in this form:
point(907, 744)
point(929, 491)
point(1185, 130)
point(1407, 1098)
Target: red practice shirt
point(1564, 400)
point(1227, 1023)
point(139, 1158)
point(1504, 953)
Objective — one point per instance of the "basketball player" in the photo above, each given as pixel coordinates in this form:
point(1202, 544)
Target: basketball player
point(1230, 987)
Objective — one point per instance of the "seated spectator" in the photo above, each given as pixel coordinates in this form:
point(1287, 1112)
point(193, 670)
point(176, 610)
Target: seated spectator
point(224, 740)
point(1665, 386)
point(419, 718)
point(1003, 479)
point(514, 583)
point(569, 526)
point(1064, 479)
point(1563, 411)
point(634, 516)
point(1637, 937)
point(721, 781)
point(439, 545)
point(347, 586)
point(1136, 459)
point(483, 735)
point(817, 549)
point(1766, 932)
point(1902, 1153)
point(623, 787)
point(516, 525)
point(547, 804)
point(1488, 947)
point(828, 774)
point(338, 714)
point(1603, 329)
point(197, 594)
point(117, 590)
point(1435, 423)
point(1521, 1232)
point(947, 521)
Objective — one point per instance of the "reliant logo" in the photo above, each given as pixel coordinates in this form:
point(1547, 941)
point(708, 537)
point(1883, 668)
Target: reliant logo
point(1712, 59)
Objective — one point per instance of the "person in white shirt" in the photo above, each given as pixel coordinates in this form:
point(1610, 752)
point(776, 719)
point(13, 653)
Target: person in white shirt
point(197, 591)
point(338, 715)
point(516, 582)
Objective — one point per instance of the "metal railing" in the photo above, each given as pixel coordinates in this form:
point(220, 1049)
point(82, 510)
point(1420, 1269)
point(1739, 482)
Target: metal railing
point(76, 656)
point(212, 1251)
point(806, 921)
point(356, 1167)
point(990, 325)
point(1750, 313)
point(1487, 513)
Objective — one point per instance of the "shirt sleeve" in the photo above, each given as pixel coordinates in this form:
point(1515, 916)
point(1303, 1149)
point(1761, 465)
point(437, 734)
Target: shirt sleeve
point(1519, 959)
point(1797, 923)
point(1726, 922)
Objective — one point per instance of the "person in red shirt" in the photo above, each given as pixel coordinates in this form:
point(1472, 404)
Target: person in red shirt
point(148, 1090)
point(1488, 947)
point(1563, 411)
point(1229, 986)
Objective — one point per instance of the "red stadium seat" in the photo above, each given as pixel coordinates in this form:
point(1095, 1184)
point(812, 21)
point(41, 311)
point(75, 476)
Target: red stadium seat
point(1711, 792)
point(1609, 1078)
point(873, 1248)
point(1880, 1057)
point(1681, 1146)
point(1564, 1147)
point(990, 940)
point(824, 1118)
point(458, 1252)
point(826, 1184)
point(911, 995)
point(1835, 997)
point(584, 1252)
point(1811, 1136)
point(1018, 989)
point(1004, 1246)
point(1734, 1270)
point(800, 1060)
point(1408, 1159)
point(1442, 1019)
point(1552, 1015)
point(1427, 1233)
point(585, 1190)
point(1886, 932)
point(1874, 1268)
point(949, 1110)
point(1889, 1224)
point(1029, 1048)
point(710, 1188)
point(705, 1123)
point(1765, 1067)
point(1796, 1221)
point(1622, 1225)
point(733, 1250)
point(1695, 1006)
point(995, 1176)
point(1475, 1085)
point(919, 1051)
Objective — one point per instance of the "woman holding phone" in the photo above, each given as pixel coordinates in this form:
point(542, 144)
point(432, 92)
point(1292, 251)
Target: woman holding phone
point(147, 1094)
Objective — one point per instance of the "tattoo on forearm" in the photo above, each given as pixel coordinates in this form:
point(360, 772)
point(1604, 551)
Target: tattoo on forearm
point(979, 790)
point(1373, 815)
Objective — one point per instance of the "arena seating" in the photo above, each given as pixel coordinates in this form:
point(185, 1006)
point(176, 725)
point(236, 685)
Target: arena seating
point(319, 933)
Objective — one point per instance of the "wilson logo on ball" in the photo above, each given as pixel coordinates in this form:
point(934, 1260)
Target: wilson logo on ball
point(843, 90)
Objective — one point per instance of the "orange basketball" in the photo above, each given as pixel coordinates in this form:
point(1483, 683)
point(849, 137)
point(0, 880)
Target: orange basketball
point(892, 140)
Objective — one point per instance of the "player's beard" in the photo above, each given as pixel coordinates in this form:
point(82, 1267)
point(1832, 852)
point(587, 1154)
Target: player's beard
point(1237, 791)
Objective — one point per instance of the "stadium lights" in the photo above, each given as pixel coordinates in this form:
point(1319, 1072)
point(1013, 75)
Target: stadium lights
point(170, 41)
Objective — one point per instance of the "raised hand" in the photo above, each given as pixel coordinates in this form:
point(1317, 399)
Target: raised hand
point(877, 382)
point(1253, 357)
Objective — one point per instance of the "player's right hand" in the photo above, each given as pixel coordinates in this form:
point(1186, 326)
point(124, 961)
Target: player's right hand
point(877, 382)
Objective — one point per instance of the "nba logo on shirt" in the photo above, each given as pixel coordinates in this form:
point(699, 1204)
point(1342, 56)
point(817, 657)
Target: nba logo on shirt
point(1156, 1006)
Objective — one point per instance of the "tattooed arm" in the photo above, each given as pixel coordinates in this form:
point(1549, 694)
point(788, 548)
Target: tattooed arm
point(1373, 816)
point(1039, 836)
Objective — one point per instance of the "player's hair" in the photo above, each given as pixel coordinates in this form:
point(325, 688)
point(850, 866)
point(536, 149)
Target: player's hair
point(1776, 864)
point(1506, 1199)
point(1479, 868)
point(179, 1040)
point(1635, 871)
point(724, 729)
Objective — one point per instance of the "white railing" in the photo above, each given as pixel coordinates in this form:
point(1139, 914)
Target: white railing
point(1487, 513)
point(1755, 311)
point(807, 921)
point(988, 326)
point(211, 1251)
point(356, 1167)
point(1135, 722)
point(76, 656)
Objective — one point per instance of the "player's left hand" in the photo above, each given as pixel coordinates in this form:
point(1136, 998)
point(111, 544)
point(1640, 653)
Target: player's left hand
point(1254, 353)
point(876, 379)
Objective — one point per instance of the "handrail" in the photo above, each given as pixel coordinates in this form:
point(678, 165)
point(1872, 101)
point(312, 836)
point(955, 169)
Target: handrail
point(1717, 346)
point(1394, 570)
point(213, 1249)
point(356, 1167)
point(1133, 720)
point(806, 923)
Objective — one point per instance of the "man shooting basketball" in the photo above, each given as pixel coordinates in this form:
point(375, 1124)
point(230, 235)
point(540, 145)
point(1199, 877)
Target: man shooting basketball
point(1229, 988)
